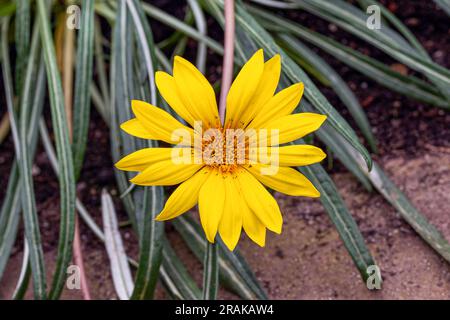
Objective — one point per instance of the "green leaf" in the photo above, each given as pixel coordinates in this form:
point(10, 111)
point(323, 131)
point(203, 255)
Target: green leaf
point(409, 36)
point(99, 103)
point(398, 200)
point(444, 5)
point(302, 52)
point(210, 262)
point(341, 218)
point(7, 8)
point(24, 276)
point(295, 74)
point(303, 63)
point(333, 203)
point(22, 30)
point(175, 277)
point(10, 210)
point(179, 25)
point(326, 134)
point(20, 135)
point(120, 107)
point(150, 246)
point(415, 219)
point(181, 284)
point(391, 18)
point(210, 272)
point(9, 217)
point(152, 197)
point(168, 274)
point(200, 22)
point(83, 78)
point(101, 66)
point(176, 36)
point(235, 260)
point(353, 20)
point(120, 270)
point(65, 159)
point(234, 272)
point(377, 71)
point(172, 268)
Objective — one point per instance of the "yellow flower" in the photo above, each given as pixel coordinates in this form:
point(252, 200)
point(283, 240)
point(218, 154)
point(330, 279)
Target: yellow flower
point(230, 193)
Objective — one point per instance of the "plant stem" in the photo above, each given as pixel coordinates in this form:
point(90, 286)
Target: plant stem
point(228, 57)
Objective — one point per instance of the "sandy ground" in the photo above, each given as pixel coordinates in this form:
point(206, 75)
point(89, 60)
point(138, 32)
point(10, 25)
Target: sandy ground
point(308, 260)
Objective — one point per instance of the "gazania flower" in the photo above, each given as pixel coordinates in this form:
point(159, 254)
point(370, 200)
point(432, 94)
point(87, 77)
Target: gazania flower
point(229, 189)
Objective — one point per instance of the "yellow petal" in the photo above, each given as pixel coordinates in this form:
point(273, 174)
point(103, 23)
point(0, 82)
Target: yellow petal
point(195, 92)
point(289, 156)
point(281, 104)
point(211, 203)
point(230, 226)
point(161, 124)
point(168, 90)
point(265, 90)
point(254, 228)
point(135, 128)
point(285, 180)
point(260, 201)
point(292, 127)
point(243, 89)
point(185, 196)
point(165, 173)
point(141, 159)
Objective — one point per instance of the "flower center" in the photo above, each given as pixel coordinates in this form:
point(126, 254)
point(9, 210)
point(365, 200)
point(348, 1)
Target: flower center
point(224, 149)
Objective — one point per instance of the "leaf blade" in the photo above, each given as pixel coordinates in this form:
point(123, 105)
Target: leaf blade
point(20, 138)
point(83, 76)
point(295, 74)
point(64, 152)
point(120, 270)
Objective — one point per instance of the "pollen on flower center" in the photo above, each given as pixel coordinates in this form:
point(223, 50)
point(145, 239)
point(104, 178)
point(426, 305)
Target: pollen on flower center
point(224, 149)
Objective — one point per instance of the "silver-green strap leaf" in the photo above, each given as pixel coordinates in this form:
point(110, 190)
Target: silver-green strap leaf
point(339, 86)
point(405, 208)
point(210, 272)
point(341, 218)
point(151, 201)
point(83, 78)
point(295, 74)
point(19, 131)
point(444, 5)
point(120, 270)
point(22, 30)
point(234, 272)
point(64, 152)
